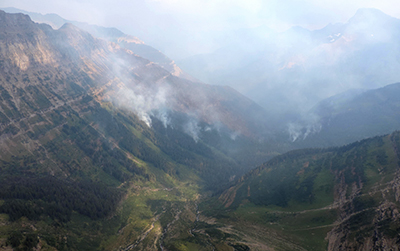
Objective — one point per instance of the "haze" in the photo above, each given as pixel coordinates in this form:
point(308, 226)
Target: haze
point(181, 28)
point(287, 56)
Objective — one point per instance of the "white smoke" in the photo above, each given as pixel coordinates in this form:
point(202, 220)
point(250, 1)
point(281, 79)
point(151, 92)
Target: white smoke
point(143, 103)
point(312, 129)
point(310, 124)
point(234, 135)
point(295, 131)
point(192, 128)
point(164, 117)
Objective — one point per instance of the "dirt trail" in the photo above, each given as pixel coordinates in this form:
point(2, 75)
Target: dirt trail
point(254, 237)
point(144, 234)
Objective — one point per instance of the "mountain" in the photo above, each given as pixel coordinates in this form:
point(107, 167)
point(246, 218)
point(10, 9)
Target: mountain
point(348, 117)
point(104, 150)
point(113, 35)
point(343, 198)
point(212, 104)
point(291, 71)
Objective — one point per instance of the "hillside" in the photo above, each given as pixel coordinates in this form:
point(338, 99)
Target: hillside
point(343, 198)
point(103, 149)
point(114, 35)
point(348, 117)
point(114, 74)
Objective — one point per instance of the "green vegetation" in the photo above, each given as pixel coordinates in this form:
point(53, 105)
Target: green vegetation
point(301, 197)
point(87, 176)
point(33, 197)
point(79, 173)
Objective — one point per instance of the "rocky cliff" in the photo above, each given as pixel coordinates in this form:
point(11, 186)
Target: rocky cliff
point(350, 193)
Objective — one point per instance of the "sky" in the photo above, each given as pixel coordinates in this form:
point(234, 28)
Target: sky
point(181, 28)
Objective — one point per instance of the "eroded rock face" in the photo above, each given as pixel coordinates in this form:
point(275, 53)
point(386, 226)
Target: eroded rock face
point(375, 235)
point(366, 225)
point(20, 51)
point(114, 35)
point(369, 219)
point(361, 181)
point(36, 56)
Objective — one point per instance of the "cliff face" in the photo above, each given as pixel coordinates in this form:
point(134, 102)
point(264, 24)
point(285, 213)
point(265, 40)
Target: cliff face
point(87, 127)
point(36, 55)
point(369, 219)
point(379, 234)
point(357, 185)
point(112, 35)
point(20, 51)
point(50, 79)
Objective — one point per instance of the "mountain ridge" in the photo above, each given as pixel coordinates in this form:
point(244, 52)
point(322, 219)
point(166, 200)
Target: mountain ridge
point(297, 71)
point(80, 169)
point(337, 198)
point(113, 35)
point(72, 36)
point(349, 117)
point(83, 116)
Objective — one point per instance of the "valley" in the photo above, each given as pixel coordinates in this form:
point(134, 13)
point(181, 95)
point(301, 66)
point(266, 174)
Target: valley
point(106, 144)
point(80, 170)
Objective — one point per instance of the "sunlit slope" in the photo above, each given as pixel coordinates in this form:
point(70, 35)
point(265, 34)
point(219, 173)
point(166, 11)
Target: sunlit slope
point(55, 67)
point(97, 169)
point(84, 163)
point(316, 199)
point(110, 34)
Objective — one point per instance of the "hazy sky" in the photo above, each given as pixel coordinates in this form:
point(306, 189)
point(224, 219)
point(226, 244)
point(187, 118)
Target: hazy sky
point(185, 25)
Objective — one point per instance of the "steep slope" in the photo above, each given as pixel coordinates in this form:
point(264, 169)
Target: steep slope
point(348, 117)
point(342, 198)
point(102, 149)
point(113, 35)
point(113, 70)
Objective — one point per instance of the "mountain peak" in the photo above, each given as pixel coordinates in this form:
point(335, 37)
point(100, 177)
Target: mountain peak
point(369, 11)
point(69, 26)
point(6, 19)
point(75, 32)
point(15, 23)
point(369, 14)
